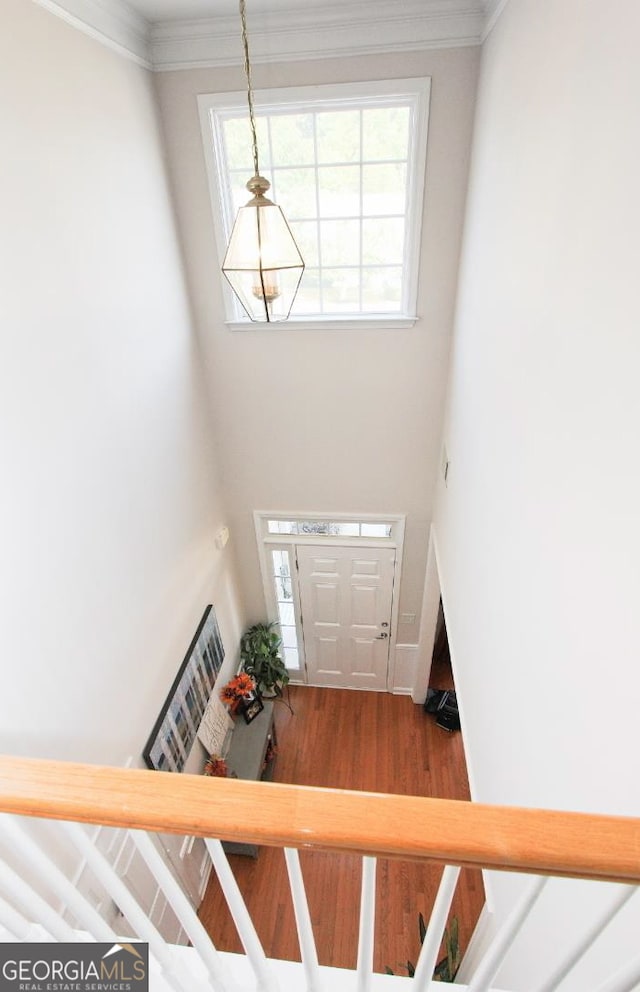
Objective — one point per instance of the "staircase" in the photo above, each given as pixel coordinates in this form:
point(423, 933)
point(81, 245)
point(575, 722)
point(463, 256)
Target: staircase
point(61, 799)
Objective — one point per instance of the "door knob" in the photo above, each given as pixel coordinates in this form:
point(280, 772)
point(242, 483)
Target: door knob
point(381, 637)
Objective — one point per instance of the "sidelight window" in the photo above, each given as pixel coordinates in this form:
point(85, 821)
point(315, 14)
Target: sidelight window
point(282, 580)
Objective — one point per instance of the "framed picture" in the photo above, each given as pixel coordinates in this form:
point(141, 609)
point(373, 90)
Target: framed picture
point(175, 729)
point(251, 708)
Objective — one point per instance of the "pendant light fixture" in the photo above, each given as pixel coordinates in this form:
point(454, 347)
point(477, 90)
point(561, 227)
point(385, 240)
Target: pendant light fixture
point(263, 264)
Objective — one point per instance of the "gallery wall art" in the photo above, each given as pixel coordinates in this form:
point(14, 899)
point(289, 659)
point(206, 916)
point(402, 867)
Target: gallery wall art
point(177, 725)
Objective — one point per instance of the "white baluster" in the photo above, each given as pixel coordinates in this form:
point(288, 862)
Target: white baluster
point(184, 911)
point(178, 977)
point(14, 922)
point(303, 921)
point(488, 967)
point(265, 979)
point(33, 905)
point(623, 980)
point(437, 921)
point(367, 923)
point(88, 917)
point(587, 940)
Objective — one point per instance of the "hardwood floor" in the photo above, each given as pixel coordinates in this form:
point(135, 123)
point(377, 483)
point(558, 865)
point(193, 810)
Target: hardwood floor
point(352, 740)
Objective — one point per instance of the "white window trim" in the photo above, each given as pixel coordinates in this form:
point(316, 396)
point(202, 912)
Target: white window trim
point(267, 542)
point(368, 323)
point(310, 98)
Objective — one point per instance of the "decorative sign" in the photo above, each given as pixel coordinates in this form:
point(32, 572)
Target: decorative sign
point(216, 728)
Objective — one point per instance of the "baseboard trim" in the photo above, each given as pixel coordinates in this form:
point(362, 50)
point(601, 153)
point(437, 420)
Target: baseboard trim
point(403, 675)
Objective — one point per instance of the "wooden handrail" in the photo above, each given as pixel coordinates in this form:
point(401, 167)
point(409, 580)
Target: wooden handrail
point(410, 827)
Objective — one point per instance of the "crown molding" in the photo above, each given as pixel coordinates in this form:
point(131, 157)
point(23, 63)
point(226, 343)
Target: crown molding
point(492, 11)
point(331, 30)
point(112, 22)
point(327, 31)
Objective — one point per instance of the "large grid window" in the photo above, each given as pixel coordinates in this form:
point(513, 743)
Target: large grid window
point(346, 164)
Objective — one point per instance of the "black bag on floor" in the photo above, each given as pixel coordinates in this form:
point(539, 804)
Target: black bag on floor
point(433, 701)
point(447, 715)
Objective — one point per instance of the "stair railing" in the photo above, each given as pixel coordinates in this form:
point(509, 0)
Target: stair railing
point(451, 833)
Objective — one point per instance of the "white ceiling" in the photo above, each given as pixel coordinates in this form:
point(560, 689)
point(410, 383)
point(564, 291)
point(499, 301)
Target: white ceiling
point(177, 34)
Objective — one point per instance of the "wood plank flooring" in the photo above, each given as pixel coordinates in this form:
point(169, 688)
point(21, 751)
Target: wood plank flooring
point(352, 740)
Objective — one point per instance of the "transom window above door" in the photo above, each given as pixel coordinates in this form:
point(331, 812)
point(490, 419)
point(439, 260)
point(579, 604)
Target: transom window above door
point(276, 527)
point(346, 165)
point(331, 528)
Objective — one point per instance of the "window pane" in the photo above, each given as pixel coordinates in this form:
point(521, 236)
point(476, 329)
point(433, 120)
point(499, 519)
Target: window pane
point(338, 136)
point(383, 241)
point(314, 526)
point(237, 142)
point(346, 529)
point(282, 527)
point(340, 242)
point(289, 638)
point(294, 192)
point(306, 234)
point(376, 530)
point(286, 614)
point(283, 588)
point(292, 139)
point(384, 189)
point(339, 190)
point(280, 562)
point(291, 659)
point(385, 133)
point(341, 290)
point(308, 297)
point(382, 289)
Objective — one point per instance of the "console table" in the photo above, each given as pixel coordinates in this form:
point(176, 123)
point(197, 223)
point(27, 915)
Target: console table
point(251, 756)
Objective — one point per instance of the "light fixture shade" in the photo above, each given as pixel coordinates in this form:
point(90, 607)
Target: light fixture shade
point(262, 263)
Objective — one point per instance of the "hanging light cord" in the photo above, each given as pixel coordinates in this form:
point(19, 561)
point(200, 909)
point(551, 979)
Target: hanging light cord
point(247, 72)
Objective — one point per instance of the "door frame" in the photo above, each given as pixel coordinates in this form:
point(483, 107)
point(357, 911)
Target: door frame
point(267, 541)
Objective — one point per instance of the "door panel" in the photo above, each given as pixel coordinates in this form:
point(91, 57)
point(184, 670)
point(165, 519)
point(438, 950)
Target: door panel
point(346, 598)
point(326, 598)
point(364, 606)
point(327, 655)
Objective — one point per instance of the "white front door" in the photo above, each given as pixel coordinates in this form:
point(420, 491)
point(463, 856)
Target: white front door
point(345, 597)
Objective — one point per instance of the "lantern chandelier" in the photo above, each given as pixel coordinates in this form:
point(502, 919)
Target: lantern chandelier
point(263, 264)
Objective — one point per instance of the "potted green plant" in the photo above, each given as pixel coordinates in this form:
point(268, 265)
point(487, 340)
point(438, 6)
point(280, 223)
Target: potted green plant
point(261, 658)
point(447, 968)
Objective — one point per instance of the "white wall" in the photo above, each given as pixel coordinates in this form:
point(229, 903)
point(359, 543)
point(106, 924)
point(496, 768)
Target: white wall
point(538, 531)
point(330, 420)
point(110, 497)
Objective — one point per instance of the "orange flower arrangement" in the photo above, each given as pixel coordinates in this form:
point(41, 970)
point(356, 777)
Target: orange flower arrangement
point(216, 766)
point(239, 688)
